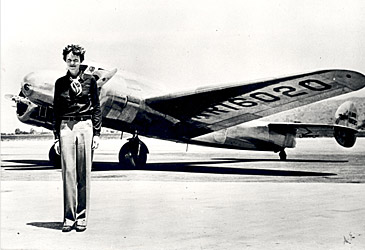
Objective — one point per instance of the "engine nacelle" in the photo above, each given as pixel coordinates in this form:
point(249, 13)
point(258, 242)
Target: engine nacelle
point(31, 113)
point(38, 87)
point(346, 115)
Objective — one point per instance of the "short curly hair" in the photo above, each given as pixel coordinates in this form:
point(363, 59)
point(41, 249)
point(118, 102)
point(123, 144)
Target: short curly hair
point(77, 50)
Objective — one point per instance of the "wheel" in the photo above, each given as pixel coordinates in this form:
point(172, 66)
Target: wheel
point(133, 154)
point(282, 155)
point(54, 158)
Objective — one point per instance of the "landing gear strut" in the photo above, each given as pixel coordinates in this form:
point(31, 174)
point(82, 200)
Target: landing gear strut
point(282, 155)
point(133, 153)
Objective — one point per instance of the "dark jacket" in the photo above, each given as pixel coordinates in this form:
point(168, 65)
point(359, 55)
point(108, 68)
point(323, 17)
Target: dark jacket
point(66, 103)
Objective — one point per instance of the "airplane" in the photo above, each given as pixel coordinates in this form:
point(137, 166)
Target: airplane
point(223, 116)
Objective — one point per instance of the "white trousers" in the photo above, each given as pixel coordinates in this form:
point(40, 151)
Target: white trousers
point(76, 161)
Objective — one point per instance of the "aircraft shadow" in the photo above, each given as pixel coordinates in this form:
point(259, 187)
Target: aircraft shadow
point(31, 165)
point(50, 225)
point(183, 167)
point(187, 167)
point(202, 167)
point(278, 160)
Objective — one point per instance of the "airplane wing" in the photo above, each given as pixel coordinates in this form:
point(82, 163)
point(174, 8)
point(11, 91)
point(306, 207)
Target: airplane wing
point(215, 108)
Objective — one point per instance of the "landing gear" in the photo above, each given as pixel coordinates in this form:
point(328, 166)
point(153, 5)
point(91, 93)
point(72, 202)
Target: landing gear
point(54, 158)
point(133, 153)
point(282, 155)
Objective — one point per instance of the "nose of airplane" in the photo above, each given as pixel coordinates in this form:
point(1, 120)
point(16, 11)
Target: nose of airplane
point(39, 86)
point(27, 85)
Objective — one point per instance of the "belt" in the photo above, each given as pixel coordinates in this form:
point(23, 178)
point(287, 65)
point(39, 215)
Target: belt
point(76, 118)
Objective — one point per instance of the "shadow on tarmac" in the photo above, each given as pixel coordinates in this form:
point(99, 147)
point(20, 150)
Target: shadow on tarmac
point(29, 165)
point(50, 225)
point(277, 160)
point(187, 167)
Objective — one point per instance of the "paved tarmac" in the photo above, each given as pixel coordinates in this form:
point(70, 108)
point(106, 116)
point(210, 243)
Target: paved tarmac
point(201, 199)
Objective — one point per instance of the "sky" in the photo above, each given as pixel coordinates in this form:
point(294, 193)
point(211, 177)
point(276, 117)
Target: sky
point(181, 44)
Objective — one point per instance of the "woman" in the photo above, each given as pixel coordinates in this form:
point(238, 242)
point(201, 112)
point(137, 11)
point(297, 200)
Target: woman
point(77, 125)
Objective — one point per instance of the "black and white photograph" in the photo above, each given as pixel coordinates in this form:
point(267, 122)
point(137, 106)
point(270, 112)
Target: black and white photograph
point(170, 124)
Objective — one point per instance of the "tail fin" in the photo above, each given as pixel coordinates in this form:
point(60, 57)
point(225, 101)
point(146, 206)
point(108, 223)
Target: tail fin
point(346, 117)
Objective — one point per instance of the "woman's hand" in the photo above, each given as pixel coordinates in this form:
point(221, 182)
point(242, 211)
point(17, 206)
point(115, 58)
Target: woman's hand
point(96, 140)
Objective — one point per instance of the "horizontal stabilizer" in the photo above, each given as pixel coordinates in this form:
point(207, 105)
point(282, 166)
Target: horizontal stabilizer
point(309, 129)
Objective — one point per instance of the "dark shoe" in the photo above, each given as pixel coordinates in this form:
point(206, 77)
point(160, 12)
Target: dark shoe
point(66, 228)
point(80, 228)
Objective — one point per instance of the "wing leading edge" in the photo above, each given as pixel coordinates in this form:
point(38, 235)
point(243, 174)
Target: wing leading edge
point(220, 107)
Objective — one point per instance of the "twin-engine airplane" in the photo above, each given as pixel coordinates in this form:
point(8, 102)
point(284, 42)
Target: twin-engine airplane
point(218, 116)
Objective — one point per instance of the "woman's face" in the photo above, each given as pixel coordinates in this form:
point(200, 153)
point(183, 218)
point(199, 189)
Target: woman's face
point(73, 63)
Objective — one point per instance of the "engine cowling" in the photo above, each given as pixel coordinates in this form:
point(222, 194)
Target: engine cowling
point(346, 115)
point(31, 113)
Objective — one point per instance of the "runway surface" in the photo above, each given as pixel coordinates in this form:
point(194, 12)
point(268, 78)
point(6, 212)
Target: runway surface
point(313, 160)
point(204, 198)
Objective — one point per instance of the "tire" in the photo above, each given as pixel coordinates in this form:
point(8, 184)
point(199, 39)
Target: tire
point(54, 158)
point(133, 154)
point(282, 155)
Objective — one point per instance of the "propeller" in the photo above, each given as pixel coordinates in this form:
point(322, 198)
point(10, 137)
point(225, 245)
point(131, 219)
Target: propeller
point(12, 98)
point(9, 97)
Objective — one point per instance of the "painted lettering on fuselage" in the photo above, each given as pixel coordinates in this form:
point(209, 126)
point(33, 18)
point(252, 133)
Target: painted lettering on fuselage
point(267, 96)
